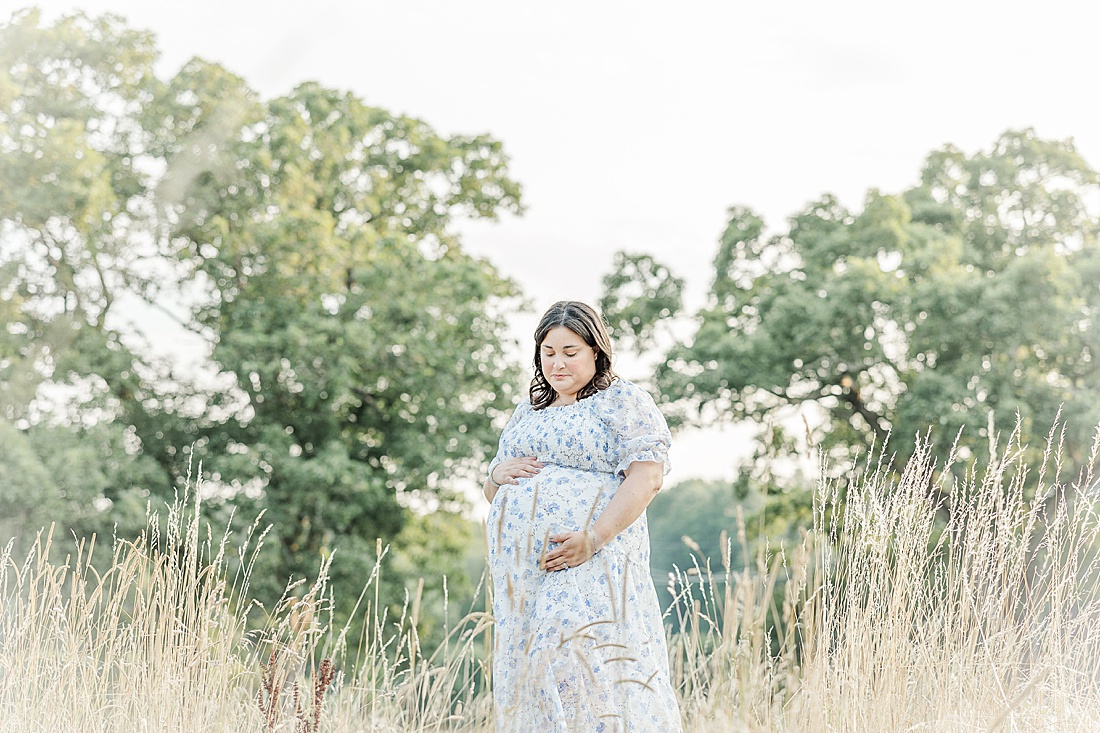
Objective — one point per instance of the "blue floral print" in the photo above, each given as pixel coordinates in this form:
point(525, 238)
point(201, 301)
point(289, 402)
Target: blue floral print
point(581, 649)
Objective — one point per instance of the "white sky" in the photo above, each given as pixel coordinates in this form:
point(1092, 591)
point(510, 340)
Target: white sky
point(635, 125)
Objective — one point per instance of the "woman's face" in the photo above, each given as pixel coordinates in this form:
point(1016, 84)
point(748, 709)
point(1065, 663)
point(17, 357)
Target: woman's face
point(568, 363)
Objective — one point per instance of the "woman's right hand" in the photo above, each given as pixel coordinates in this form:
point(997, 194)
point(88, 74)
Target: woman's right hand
point(512, 470)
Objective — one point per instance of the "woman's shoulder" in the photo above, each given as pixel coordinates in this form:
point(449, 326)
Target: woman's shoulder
point(625, 389)
point(622, 394)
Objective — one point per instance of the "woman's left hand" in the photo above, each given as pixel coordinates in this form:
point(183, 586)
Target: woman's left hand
point(573, 549)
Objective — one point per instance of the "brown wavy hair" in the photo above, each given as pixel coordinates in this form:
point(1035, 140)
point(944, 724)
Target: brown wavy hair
point(581, 319)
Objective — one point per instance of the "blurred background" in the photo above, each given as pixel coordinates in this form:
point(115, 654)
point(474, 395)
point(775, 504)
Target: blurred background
point(298, 255)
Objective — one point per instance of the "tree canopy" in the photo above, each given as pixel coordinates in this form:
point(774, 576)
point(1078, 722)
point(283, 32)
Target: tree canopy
point(356, 366)
point(976, 290)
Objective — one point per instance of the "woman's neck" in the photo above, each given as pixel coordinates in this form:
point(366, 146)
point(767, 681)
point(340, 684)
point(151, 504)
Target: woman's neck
point(563, 400)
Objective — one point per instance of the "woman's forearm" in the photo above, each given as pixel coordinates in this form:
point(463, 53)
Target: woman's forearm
point(643, 481)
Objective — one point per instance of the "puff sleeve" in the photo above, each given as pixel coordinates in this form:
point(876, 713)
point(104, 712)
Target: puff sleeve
point(640, 430)
point(506, 445)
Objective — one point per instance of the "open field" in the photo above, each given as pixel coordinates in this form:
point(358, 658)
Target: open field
point(896, 615)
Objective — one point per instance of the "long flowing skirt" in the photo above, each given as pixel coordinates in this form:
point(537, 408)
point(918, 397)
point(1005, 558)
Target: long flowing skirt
point(581, 649)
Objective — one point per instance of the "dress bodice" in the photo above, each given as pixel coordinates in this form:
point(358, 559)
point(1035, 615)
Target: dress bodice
point(603, 433)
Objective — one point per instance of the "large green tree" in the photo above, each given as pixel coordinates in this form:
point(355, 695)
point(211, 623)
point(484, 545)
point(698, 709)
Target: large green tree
point(976, 290)
point(366, 342)
point(356, 365)
point(73, 246)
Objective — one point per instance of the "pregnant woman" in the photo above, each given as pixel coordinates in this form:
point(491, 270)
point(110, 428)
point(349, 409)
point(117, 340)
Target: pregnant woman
point(580, 645)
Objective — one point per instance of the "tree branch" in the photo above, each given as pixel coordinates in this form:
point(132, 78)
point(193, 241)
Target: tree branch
point(108, 299)
point(176, 319)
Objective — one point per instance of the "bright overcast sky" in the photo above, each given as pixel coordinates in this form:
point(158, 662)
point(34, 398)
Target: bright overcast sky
point(635, 125)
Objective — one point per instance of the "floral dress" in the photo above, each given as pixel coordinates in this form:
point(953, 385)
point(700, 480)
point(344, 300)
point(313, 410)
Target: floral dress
point(581, 649)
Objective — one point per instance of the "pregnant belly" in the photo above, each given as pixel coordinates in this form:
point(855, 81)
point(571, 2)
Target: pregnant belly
point(557, 499)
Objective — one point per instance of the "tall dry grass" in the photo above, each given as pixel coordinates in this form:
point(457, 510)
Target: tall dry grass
point(884, 618)
point(893, 618)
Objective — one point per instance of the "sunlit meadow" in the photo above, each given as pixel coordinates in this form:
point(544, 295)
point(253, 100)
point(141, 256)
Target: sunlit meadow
point(946, 600)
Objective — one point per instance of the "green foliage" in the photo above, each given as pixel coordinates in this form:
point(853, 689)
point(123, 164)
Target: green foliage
point(21, 471)
point(86, 480)
point(72, 247)
point(691, 519)
point(438, 542)
point(974, 291)
point(716, 524)
point(366, 341)
point(308, 239)
point(639, 293)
